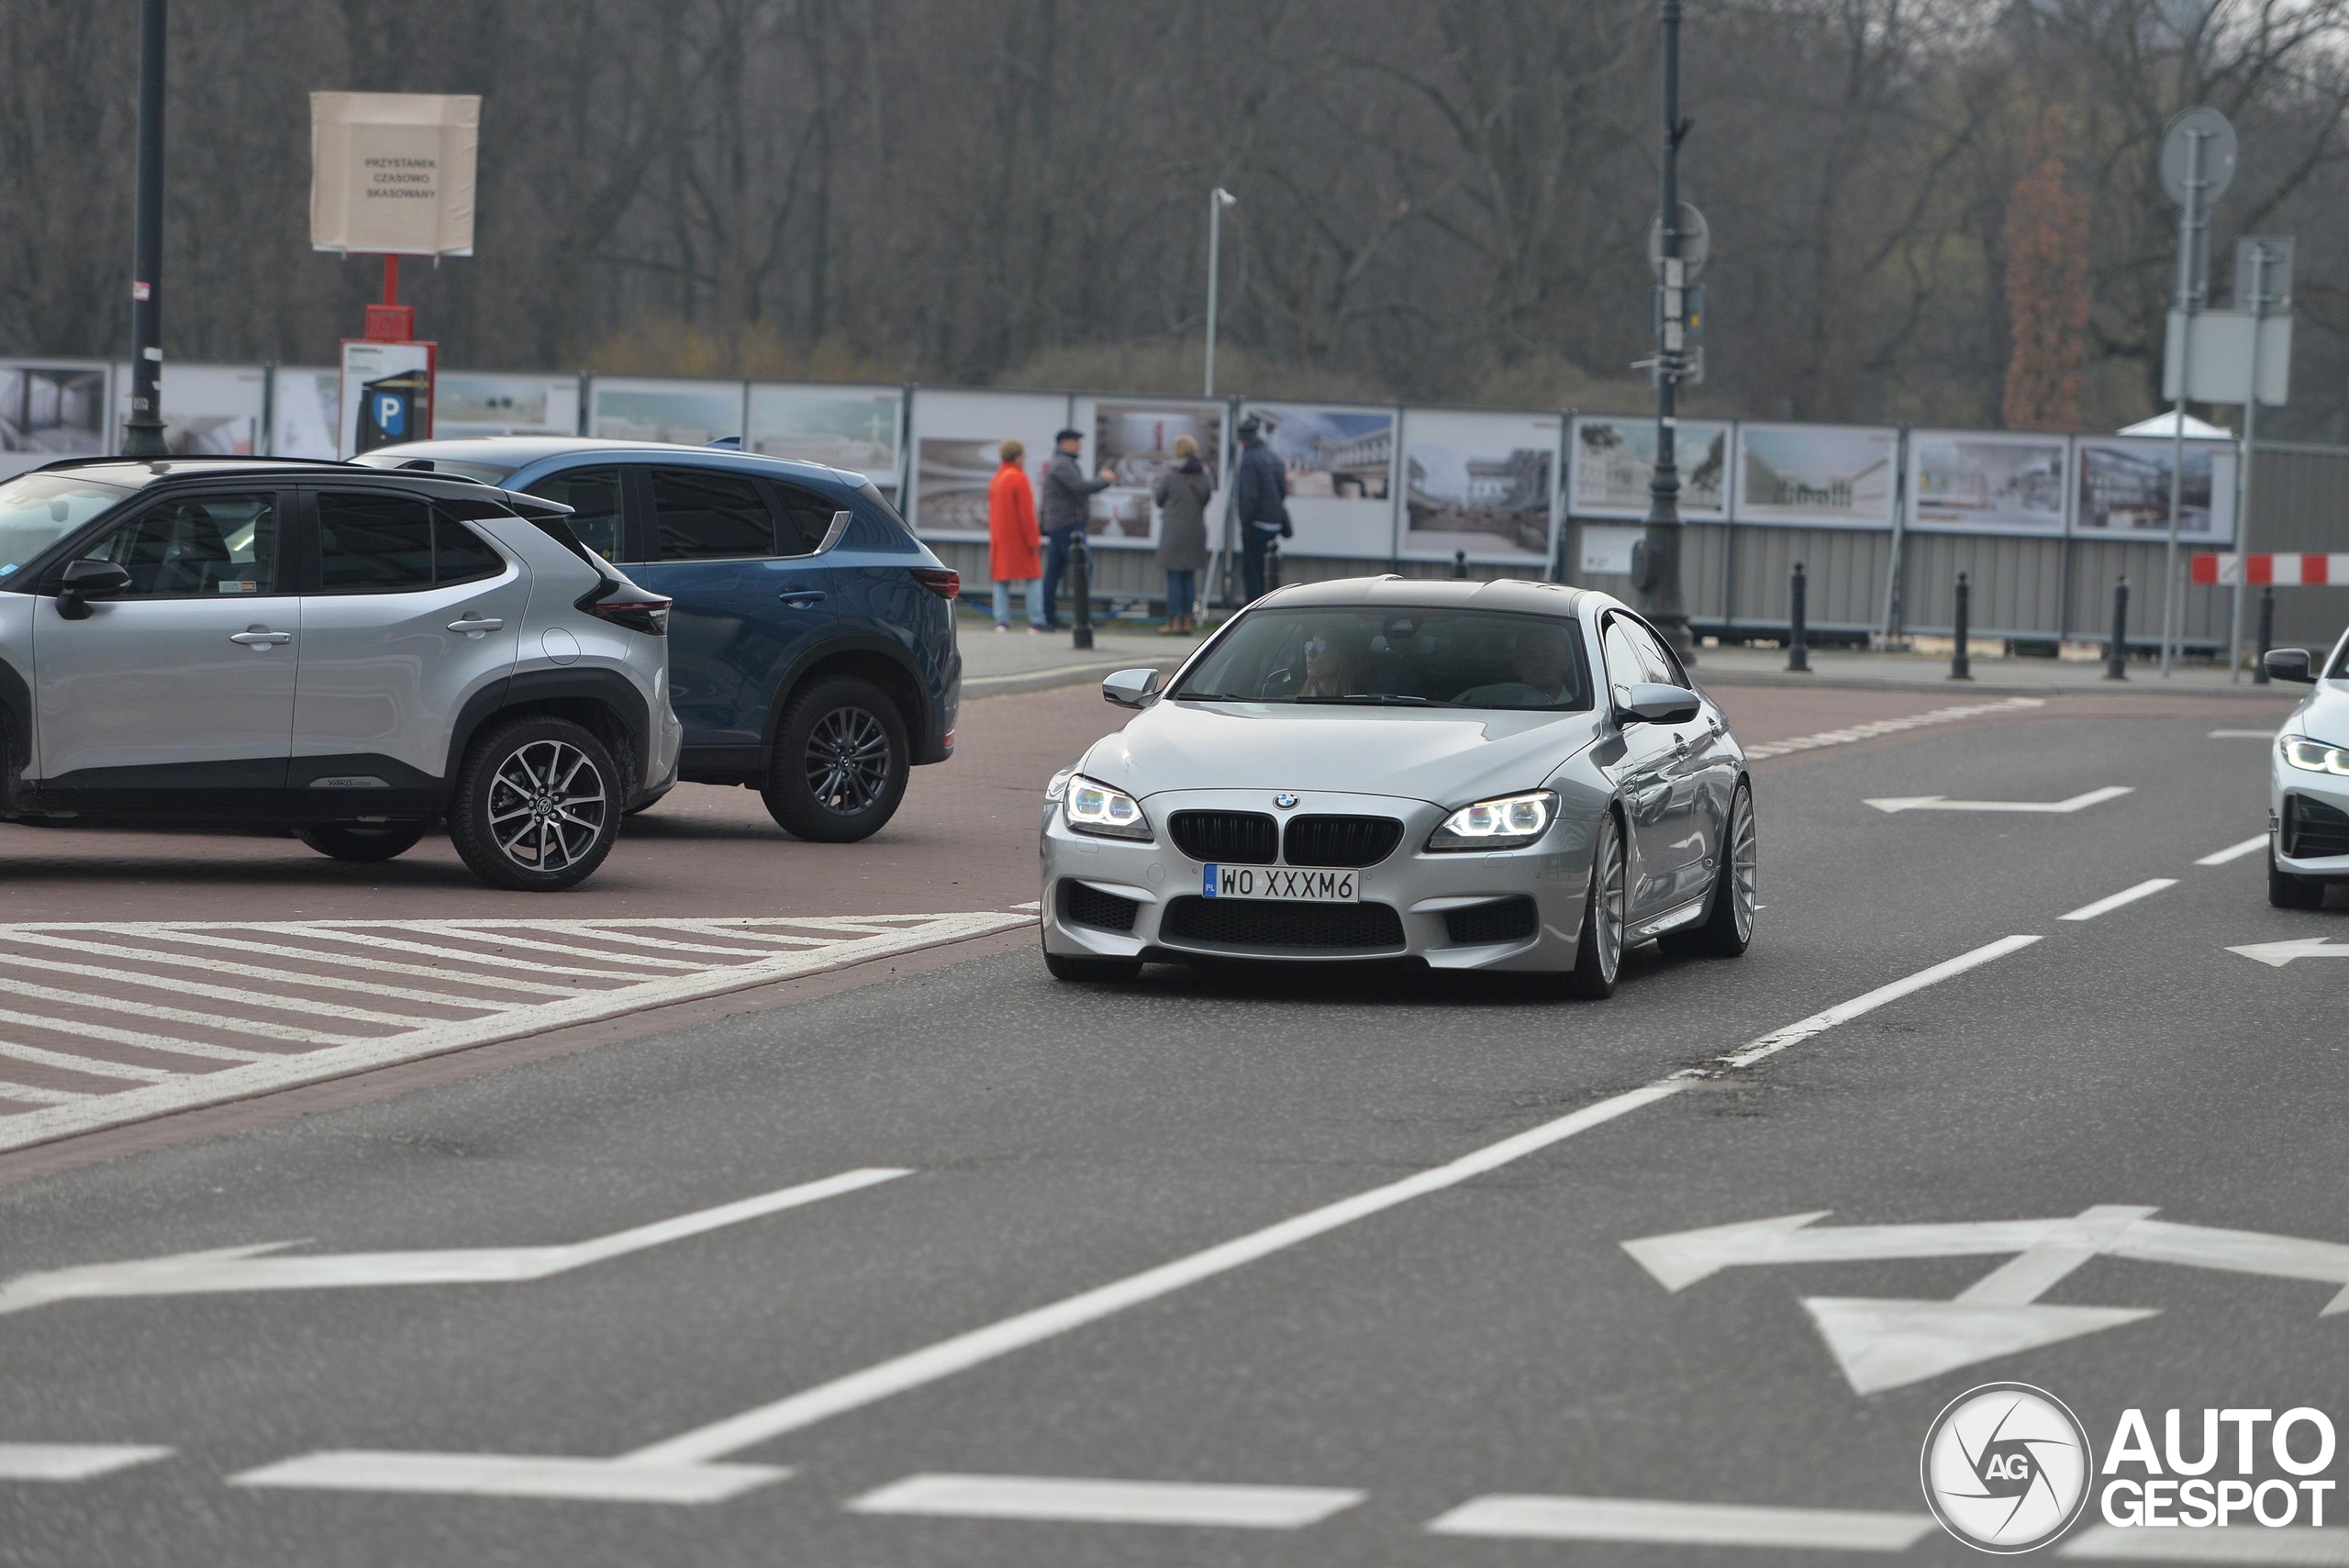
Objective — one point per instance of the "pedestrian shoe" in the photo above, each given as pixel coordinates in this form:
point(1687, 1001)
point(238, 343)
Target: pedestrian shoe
point(1000, 627)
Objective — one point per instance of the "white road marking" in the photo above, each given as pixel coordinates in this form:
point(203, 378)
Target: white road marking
point(2234, 851)
point(246, 996)
point(960, 1352)
point(1768, 748)
point(1107, 1501)
point(95, 1066)
point(124, 952)
point(2111, 902)
point(373, 962)
point(504, 1475)
point(2240, 1543)
point(1682, 1523)
point(621, 963)
point(2243, 735)
point(2041, 807)
point(2275, 955)
point(243, 1268)
point(615, 992)
point(71, 1461)
point(1031, 906)
point(1888, 1342)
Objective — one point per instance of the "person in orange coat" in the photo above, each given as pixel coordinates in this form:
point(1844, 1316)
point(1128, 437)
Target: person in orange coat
point(1012, 537)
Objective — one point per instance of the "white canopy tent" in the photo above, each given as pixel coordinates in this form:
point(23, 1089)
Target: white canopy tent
point(2167, 424)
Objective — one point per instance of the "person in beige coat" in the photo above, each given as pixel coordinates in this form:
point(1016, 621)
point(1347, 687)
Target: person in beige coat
point(1182, 495)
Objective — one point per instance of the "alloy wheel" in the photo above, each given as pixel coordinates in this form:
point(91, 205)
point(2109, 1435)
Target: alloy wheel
point(547, 805)
point(847, 761)
point(1744, 866)
point(1607, 907)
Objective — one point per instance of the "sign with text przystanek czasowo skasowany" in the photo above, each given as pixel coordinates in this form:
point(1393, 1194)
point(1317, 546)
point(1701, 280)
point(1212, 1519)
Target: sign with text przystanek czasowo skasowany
point(392, 173)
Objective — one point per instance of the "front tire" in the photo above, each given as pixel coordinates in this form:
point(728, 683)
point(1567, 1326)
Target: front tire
point(1104, 971)
point(1599, 954)
point(2289, 892)
point(1727, 928)
point(839, 764)
point(362, 843)
point(537, 805)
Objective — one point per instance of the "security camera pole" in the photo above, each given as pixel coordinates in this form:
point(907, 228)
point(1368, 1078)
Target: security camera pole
point(142, 434)
point(1656, 563)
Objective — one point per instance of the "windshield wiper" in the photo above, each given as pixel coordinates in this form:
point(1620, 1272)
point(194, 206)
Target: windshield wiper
point(1377, 699)
point(1213, 696)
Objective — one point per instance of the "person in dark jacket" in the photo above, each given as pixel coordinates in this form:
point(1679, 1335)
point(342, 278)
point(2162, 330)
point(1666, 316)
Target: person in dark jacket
point(1182, 495)
point(1261, 501)
point(1065, 490)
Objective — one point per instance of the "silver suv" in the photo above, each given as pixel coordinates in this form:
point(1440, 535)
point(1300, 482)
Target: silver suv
point(351, 652)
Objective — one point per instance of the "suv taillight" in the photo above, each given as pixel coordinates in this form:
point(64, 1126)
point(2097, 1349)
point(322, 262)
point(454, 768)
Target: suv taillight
point(627, 605)
point(939, 581)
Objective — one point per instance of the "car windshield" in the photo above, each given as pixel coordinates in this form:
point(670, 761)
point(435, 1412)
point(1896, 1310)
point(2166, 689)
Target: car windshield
point(1385, 656)
point(487, 472)
point(38, 509)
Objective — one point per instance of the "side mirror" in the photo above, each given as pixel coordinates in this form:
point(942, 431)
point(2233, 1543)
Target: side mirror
point(1654, 703)
point(1131, 688)
point(85, 580)
point(2289, 665)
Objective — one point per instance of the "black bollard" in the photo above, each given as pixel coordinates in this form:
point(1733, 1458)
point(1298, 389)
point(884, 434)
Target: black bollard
point(1961, 668)
point(1080, 572)
point(1460, 563)
point(2266, 634)
point(1799, 642)
point(2116, 656)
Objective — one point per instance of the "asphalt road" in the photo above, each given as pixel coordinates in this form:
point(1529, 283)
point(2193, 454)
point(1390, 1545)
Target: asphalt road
point(1460, 1331)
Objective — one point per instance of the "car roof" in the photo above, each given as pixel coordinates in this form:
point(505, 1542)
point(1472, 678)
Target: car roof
point(146, 473)
point(522, 452)
point(1521, 594)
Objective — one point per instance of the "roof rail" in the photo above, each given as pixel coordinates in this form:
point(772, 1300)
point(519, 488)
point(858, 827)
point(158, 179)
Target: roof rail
point(187, 457)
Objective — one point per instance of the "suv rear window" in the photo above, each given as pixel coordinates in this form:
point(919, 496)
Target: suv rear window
point(703, 515)
point(594, 496)
point(396, 544)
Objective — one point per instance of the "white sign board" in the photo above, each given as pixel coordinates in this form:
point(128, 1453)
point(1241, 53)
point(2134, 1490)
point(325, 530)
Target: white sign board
point(392, 173)
point(1605, 551)
point(2222, 344)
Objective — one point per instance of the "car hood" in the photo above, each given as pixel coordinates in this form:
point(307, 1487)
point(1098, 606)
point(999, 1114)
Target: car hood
point(2324, 715)
point(1444, 755)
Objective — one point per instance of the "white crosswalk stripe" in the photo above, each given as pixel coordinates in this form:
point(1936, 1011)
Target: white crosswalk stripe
point(287, 1002)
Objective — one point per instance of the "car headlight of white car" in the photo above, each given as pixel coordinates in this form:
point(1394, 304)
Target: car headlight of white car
point(1507, 822)
point(1090, 806)
point(2315, 756)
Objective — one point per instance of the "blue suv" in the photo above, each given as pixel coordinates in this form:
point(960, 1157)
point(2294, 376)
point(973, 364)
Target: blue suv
point(811, 641)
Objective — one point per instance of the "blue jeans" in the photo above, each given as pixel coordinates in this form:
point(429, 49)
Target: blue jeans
point(1003, 601)
point(1182, 589)
point(1056, 545)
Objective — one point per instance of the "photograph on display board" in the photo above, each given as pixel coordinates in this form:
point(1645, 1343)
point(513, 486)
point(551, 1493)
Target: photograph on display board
point(307, 417)
point(1339, 464)
point(208, 410)
point(2125, 489)
point(1605, 551)
point(954, 473)
point(691, 413)
point(53, 410)
point(469, 404)
point(851, 428)
point(1965, 482)
point(1614, 463)
point(1479, 483)
point(1136, 442)
point(1819, 475)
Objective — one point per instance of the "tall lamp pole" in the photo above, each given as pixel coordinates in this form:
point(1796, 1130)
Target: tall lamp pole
point(1656, 573)
point(1218, 199)
point(142, 434)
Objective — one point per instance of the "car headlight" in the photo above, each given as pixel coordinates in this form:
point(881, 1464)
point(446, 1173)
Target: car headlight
point(1091, 808)
point(1510, 822)
point(2315, 756)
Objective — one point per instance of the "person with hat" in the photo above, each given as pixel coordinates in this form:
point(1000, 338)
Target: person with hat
point(1260, 502)
point(1065, 493)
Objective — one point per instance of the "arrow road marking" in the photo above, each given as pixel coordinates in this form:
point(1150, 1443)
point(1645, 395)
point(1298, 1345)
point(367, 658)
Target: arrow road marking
point(2278, 954)
point(245, 1268)
point(2056, 808)
point(1886, 1343)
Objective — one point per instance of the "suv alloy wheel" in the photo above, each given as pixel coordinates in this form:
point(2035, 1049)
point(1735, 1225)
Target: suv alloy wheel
point(537, 805)
point(840, 763)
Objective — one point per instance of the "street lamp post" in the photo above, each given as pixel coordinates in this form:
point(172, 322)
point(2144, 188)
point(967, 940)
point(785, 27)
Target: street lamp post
point(1218, 199)
point(142, 434)
point(1657, 572)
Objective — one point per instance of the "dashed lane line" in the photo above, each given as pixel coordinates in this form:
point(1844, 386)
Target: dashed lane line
point(1763, 750)
point(1091, 1500)
point(2233, 852)
point(71, 1461)
point(2112, 901)
point(62, 1073)
point(1658, 1522)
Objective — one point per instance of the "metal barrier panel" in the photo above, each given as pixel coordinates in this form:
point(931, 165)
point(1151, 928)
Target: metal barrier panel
point(1846, 568)
point(2016, 584)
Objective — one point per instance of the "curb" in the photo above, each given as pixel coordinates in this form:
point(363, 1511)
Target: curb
point(2130, 688)
point(1058, 675)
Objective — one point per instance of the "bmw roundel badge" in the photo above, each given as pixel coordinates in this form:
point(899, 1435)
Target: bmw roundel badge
point(1284, 800)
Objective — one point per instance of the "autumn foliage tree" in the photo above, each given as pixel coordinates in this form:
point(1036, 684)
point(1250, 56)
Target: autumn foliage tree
point(2047, 290)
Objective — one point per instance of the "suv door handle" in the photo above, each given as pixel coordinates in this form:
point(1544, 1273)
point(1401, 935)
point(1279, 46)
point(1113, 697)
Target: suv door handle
point(258, 639)
point(802, 598)
point(473, 626)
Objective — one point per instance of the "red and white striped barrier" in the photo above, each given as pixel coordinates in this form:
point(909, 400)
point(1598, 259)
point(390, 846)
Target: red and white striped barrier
point(2282, 571)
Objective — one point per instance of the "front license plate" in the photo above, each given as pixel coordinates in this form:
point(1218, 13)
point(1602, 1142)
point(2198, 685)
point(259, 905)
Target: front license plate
point(1281, 881)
